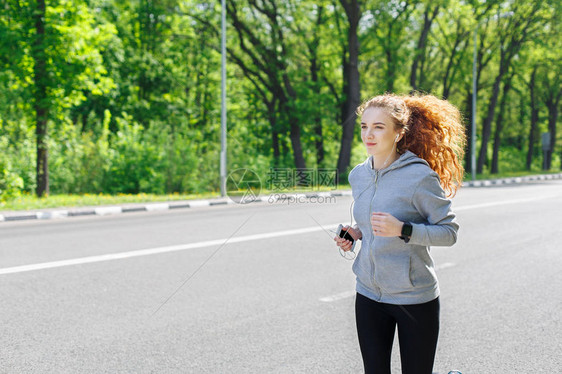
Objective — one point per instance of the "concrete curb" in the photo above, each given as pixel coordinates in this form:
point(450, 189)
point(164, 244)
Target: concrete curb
point(109, 210)
point(515, 180)
point(271, 198)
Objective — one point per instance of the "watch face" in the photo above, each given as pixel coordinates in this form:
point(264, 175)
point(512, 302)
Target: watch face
point(407, 229)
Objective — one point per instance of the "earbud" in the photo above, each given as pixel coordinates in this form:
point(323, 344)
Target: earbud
point(396, 139)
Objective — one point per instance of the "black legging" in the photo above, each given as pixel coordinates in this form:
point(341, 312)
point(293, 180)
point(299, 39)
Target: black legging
point(418, 330)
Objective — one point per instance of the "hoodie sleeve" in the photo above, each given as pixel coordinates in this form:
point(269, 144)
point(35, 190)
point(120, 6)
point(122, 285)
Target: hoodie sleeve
point(441, 226)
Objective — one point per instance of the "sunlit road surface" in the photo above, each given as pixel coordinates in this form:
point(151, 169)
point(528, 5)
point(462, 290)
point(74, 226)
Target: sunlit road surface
point(169, 292)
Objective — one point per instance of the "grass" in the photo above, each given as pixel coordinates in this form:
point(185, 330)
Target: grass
point(31, 202)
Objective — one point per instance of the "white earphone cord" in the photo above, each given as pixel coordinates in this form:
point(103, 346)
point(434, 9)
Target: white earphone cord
point(370, 207)
point(385, 161)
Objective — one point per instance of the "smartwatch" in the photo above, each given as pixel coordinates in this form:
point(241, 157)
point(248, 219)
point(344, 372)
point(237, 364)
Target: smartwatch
point(406, 232)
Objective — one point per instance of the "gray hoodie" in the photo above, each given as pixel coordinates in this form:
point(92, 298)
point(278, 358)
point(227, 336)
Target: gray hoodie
point(389, 270)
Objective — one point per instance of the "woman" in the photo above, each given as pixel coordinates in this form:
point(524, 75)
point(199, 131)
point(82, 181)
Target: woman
point(415, 144)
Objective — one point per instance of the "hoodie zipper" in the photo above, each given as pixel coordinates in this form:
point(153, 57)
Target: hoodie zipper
point(371, 249)
point(378, 174)
point(372, 252)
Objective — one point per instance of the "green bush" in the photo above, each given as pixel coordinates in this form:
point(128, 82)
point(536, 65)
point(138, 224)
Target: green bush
point(11, 184)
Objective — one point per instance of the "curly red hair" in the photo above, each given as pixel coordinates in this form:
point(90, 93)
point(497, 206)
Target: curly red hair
point(433, 130)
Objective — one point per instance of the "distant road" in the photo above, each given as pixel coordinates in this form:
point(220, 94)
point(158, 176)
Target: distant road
point(169, 292)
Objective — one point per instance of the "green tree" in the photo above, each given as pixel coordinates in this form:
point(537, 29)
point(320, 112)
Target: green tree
point(61, 56)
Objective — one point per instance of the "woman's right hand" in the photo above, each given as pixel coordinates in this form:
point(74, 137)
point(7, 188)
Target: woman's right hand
point(345, 244)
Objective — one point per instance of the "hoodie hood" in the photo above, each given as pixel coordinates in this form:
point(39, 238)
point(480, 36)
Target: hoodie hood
point(407, 158)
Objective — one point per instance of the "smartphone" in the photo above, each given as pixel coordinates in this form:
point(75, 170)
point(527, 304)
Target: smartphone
point(346, 235)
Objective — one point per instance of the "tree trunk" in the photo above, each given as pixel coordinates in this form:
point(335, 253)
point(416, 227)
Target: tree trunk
point(468, 129)
point(314, 68)
point(319, 142)
point(351, 85)
point(487, 125)
point(422, 41)
point(552, 100)
point(275, 146)
point(272, 117)
point(499, 126)
point(552, 117)
point(482, 62)
point(534, 120)
point(390, 64)
point(390, 41)
point(452, 65)
point(522, 114)
point(41, 105)
point(295, 136)
point(295, 131)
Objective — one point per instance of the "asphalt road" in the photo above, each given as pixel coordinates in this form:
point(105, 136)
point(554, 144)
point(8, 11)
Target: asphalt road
point(271, 299)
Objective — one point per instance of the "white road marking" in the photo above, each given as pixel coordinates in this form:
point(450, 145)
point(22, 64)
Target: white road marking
point(210, 243)
point(503, 202)
point(339, 296)
point(152, 251)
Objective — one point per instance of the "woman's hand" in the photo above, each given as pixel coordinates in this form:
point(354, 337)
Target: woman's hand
point(344, 243)
point(385, 224)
